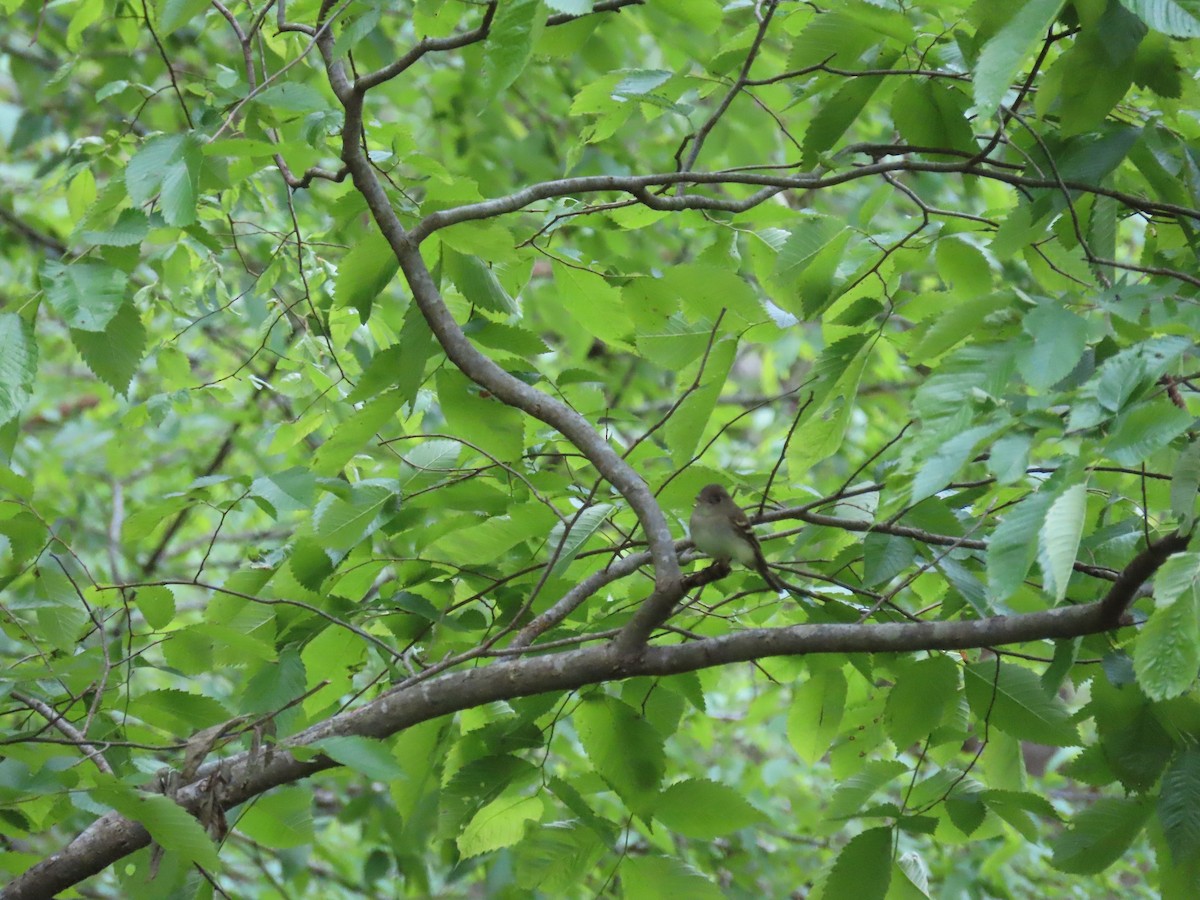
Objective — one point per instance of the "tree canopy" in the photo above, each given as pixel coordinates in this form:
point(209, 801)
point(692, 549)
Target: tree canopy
point(360, 363)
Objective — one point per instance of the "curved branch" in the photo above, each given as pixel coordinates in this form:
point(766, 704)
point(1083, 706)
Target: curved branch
point(249, 774)
point(638, 186)
point(485, 372)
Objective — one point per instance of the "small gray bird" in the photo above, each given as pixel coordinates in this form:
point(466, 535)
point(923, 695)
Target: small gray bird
point(720, 529)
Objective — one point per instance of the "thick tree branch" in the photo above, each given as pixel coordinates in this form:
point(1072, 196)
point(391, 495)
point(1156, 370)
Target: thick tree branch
point(249, 774)
point(485, 372)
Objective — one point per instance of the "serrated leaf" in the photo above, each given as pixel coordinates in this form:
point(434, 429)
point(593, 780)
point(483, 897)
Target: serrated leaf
point(588, 523)
point(657, 877)
point(685, 428)
point(851, 795)
point(1177, 574)
point(18, 364)
point(1014, 702)
point(1058, 540)
point(370, 757)
point(86, 294)
point(1099, 835)
point(509, 46)
point(923, 691)
point(1165, 16)
point(1059, 338)
point(364, 272)
point(1185, 481)
point(703, 809)
point(352, 435)
point(292, 97)
point(113, 354)
point(344, 522)
point(1179, 805)
point(477, 282)
point(1166, 655)
point(947, 458)
point(863, 869)
point(1003, 55)
point(170, 825)
point(816, 712)
point(502, 823)
point(1145, 429)
point(157, 604)
point(1012, 547)
point(625, 750)
point(280, 818)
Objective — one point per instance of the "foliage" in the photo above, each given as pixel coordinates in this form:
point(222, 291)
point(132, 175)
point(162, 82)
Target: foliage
point(359, 365)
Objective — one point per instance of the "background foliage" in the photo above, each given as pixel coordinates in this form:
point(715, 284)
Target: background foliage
point(918, 280)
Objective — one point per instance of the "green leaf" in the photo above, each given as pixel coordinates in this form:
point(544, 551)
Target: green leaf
point(929, 114)
point(588, 523)
point(477, 281)
point(18, 364)
point(1185, 481)
point(851, 796)
point(625, 750)
point(1014, 702)
point(280, 818)
point(863, 868)
point(173, 14)
point(1179, 805)
point(345, 522)
point(1165, 16)
point(114, 353)
point(1166, 655)
point(841, 110)
point(370, 757)
point(816, 712)
point(1058, 540)
point(1059, 338)
point(1099, 836)
point(1003, 55)
point(171, 826)
point(703, 809)
point(684, 429)
point(885, 556)
point(923, 691)
point(292, 96)
point(1177, 574)
point(656, 877)
point(130, 229)
point(87, 295)
point(157, 604)
point(502, 823)
point(364, 272)
point(494, 427)
point(509, 45)
point(1012, 547)
point(169, 165)
point(352, 435)
point(1144, 430)
point(951, 455)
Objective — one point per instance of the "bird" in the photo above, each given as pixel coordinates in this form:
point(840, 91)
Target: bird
point(720, 529)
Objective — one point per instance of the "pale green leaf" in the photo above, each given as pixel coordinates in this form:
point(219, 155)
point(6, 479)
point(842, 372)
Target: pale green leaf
point(588, 523)
point(502, 823)
point(114, 353)
point(1003, 56)
point(863, 868)
point(1058, 540)
point(370, 757)
point(1166, 655)
point(364, 272)
point(1013, 701)
point(1099, 835)
point(18, 364)
point(703, 809)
